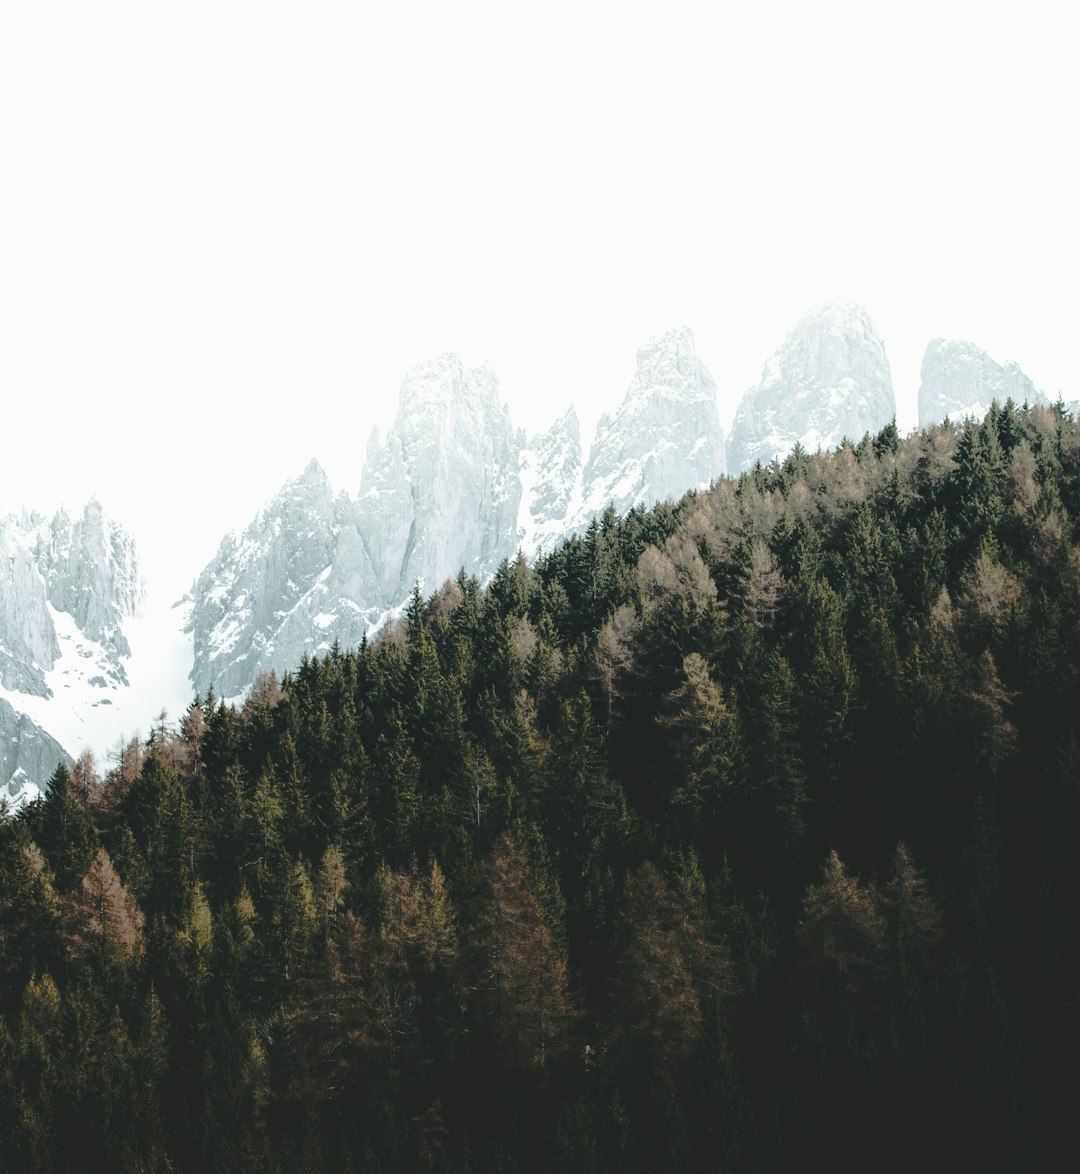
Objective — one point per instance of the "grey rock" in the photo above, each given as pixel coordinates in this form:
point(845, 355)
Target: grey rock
point(443, 493)
point(245, 594)
point(28, 757)
point(829, 380)
point(551, 467)
point(440, 494)
point(664, 439)
point(959, 379)
point(28, 644)
point(91, 571)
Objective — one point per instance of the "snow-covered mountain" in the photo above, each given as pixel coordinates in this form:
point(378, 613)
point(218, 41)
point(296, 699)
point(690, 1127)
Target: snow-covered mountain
point(28, 757)
point(454, 486)
point(960, 379)
point(441, 494)
point(67, 589)
point(243, 599)
point(664, 439)
point(444, 491)
point(829, 379)
point(550, 469)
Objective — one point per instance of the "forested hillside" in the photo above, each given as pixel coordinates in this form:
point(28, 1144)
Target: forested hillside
point(739, 834)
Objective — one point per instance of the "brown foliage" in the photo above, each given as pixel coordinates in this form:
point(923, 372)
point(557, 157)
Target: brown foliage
point(522, 977)
point(102, 910)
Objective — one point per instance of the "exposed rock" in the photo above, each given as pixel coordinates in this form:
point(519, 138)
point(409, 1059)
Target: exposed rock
point(243, 597)
point(664, 439)
point(960, 379)
point(829, 380)
point(28, 757)
point(444, 491)
point(551, 477)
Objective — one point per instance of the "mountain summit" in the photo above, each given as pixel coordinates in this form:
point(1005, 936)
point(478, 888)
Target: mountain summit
point(960, 379)
point(829, 379)
point(666, 436)
point(68, 588)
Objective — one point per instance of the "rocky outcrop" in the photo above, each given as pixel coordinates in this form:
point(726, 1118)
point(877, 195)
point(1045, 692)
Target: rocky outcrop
point(28, 644)
point(443, 492)
point(28, 757)
point(243, 597)
point(960, 379)
point(664, 439)
point(551, 470)
point(829, 380)
point(67, 586)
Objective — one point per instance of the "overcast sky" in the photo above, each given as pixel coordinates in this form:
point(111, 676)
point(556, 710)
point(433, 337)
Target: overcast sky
point(227, 230)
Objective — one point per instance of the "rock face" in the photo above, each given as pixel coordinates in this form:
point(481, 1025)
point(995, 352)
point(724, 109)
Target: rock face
point(28, 644)
point(244, 596)
point(830, 379)
point(665, 438)
point(91, 572)
point(28, 757)
point(454, 486)
point(441, 494)
point(551, 483)
point(960, 379)
point(66, 588)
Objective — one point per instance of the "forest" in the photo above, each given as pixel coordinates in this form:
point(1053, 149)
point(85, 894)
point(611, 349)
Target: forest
point(735, 834)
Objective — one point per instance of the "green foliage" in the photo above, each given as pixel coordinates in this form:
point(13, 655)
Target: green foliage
point(609, 865)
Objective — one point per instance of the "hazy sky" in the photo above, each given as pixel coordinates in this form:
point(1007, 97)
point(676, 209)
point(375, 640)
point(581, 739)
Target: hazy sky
point(227, 230)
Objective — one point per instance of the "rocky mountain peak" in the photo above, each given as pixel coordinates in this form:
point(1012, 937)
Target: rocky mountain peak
point(829, 379)
point(667, 360)
point(666, 436)
point(550, 473)
point(68, 587)
point(958, 379)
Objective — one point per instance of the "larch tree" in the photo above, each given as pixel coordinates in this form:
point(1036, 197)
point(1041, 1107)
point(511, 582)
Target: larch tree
point(103, 912)
point(521, 975)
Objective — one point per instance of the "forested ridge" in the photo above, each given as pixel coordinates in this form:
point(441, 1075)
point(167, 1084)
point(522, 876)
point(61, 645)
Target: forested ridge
point(737, 834)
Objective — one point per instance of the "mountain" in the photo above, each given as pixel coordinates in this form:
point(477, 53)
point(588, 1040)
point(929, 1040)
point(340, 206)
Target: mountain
point(960, 379)
point(550, 469)
point(664, 439)
point(442, 493)
point(453, 486)
point(70, 586)
point(28, 757)
point(241, 600)
point(829, 380)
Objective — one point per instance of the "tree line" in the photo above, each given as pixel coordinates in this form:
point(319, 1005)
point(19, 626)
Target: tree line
point(734, 834)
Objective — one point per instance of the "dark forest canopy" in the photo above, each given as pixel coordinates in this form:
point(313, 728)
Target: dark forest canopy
point(738, 834)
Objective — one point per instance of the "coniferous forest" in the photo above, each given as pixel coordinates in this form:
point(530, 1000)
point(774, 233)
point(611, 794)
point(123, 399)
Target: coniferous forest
point(736, 834)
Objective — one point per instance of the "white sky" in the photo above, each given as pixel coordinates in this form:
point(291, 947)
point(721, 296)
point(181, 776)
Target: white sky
point(227, 229)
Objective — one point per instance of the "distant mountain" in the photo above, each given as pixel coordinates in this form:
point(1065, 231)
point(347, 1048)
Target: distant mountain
point(664, 439)
point(551, 470)
point(28, 757)
point(454, 486)
point(830, 379)
point(243, 598)
point(69, 587)
point(960, 379)
point(443, 492)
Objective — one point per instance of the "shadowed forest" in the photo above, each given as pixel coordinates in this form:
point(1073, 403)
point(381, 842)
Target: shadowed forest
point(737, 834)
